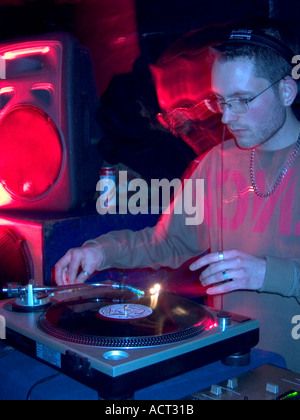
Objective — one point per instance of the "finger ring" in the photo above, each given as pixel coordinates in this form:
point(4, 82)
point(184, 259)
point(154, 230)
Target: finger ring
point(225, 275)
point(85, 273)
point(221, 256)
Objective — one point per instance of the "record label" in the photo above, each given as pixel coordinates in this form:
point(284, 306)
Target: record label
point(125, 311)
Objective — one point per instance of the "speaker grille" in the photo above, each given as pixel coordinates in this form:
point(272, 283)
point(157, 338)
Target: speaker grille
point(31, 152)
point(15, 263)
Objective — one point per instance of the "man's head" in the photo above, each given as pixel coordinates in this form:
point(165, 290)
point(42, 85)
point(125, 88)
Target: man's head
point(252, 81)
point(270, 46)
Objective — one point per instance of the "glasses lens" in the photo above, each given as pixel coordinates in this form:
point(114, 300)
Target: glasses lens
point(238, 106)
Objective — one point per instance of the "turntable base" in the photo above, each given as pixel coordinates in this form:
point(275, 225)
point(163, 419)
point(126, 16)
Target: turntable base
point(20, 373)
point(117, 341)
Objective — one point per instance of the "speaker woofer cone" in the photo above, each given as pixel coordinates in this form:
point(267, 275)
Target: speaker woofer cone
point(31, 152)
point(15, 260)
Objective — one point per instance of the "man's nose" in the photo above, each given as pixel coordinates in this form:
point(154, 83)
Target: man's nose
point(229, 116)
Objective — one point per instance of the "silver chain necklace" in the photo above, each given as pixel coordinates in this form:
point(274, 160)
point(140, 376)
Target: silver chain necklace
point(281, 176)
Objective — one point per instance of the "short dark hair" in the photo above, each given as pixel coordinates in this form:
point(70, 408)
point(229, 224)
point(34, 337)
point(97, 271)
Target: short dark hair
point(268, 63)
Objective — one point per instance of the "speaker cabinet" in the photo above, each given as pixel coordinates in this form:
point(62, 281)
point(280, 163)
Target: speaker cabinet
point(30, 244)
point(49, 159)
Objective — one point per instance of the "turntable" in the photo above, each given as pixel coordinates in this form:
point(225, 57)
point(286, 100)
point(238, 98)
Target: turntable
point(117, 339)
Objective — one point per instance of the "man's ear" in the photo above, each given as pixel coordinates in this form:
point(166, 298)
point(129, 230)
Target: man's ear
point(288, 91)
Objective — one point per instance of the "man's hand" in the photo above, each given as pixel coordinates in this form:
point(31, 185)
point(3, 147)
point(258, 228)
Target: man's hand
point(231, 270)
point(77, 265)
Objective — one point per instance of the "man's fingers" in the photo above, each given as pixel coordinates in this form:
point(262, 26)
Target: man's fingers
point(66, 269)
point(77, 265)
point(223, 288)
point(82, 276)
point(74, 265)
point(212, 258)
point(61, 270)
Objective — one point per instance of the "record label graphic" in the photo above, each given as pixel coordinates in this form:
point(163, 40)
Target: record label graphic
point(126, 312)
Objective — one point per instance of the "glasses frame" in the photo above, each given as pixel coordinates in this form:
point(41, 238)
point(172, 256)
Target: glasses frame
point(221, 105)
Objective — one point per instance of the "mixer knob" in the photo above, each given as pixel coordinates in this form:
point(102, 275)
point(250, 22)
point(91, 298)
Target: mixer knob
point(233, 383)
point(216, 390)
point(272, 388)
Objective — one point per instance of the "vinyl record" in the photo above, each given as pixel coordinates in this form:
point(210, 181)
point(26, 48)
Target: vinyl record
point(121, 319)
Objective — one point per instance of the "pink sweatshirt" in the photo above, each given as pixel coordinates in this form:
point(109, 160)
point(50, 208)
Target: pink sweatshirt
point(234, 218)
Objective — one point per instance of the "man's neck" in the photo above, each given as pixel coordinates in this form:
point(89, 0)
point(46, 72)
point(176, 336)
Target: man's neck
point(285, 137)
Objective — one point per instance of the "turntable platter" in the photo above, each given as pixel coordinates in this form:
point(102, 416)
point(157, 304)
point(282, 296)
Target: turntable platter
point(123, 320)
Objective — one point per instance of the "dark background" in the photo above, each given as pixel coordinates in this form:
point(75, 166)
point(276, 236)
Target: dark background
point(101, 24)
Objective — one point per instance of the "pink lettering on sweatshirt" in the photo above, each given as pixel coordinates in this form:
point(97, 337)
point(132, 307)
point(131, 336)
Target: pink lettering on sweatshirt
point(239, 199)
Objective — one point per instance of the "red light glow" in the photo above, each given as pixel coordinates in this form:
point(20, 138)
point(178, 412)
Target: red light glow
point(5, 197)
point(31, 152)
point(7, 90)
point(212, 326)
point(182, 78)
point(43, 86)
point(11, 55)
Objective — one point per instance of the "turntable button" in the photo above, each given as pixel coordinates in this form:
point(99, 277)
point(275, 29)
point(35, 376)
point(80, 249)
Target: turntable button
point(216, 390)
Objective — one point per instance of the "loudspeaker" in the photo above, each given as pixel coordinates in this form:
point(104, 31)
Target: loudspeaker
point(30, 244)
point(49, 158)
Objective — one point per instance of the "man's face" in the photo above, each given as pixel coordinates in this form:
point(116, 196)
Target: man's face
point(266, 114)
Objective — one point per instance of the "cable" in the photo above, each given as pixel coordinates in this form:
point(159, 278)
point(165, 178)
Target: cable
point(48, 378)
point(221, 234)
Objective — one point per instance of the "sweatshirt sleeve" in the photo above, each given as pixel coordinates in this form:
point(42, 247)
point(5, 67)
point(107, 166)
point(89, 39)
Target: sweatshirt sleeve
point(282, 277)
point(150, 247)
point(170, 243)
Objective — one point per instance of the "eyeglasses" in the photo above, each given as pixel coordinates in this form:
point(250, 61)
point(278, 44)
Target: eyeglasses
point(237, 105)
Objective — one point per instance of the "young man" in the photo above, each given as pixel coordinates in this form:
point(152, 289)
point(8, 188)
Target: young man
point(251, 227)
